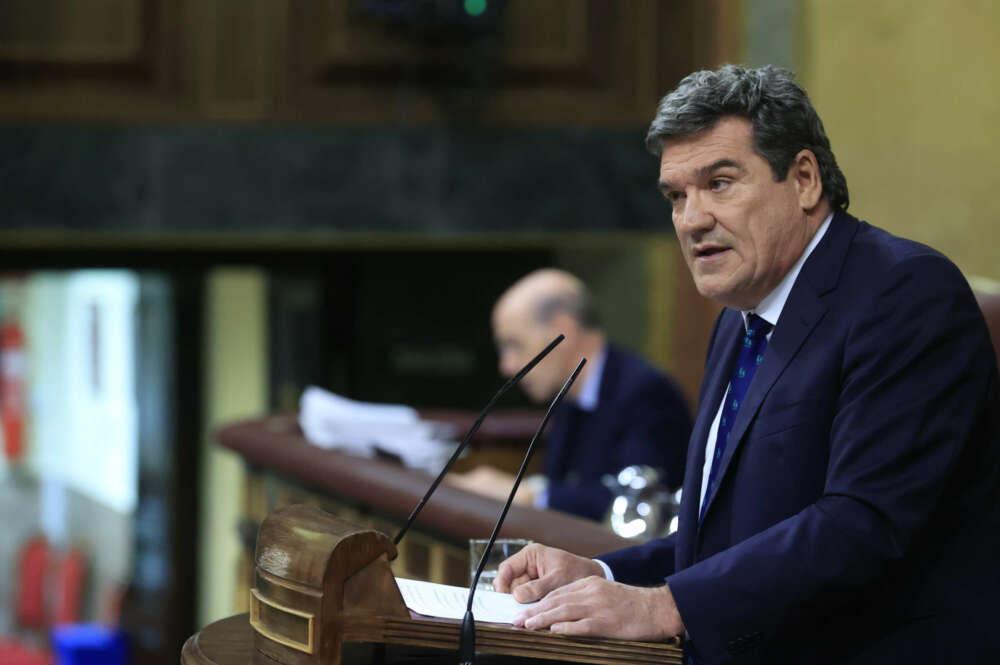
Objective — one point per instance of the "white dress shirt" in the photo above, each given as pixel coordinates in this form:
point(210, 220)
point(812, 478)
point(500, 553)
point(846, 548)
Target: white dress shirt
point(590, 390)
point(769, 309)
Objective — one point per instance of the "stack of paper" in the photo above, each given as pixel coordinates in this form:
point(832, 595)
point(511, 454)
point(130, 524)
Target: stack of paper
point(362, 428)
point(441, 600)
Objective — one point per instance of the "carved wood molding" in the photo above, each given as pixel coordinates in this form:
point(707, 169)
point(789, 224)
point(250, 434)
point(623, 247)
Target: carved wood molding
point(237, 55)
point(552, 63)
point(63, 31)
point(113, 59)
point(557, 62)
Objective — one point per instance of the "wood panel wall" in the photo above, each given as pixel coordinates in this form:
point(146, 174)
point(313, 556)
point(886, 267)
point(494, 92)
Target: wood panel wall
point(602, 63)
point(576, 62)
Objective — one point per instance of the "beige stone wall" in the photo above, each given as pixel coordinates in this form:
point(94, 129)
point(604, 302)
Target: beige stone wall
point(236, 369)
point(909, 92)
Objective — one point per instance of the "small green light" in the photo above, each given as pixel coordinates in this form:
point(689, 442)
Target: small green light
point(475, 7)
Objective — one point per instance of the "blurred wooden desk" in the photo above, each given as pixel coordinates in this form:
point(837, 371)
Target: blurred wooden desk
point(284, 469)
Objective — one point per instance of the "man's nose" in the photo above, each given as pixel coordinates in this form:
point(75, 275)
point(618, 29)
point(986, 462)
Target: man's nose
point(696, 215)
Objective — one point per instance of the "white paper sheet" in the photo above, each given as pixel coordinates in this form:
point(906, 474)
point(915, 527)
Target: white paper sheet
point(441, 600)
point(362, 428)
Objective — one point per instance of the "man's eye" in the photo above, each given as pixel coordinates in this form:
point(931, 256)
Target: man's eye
point(718, 184)
point(673, 197)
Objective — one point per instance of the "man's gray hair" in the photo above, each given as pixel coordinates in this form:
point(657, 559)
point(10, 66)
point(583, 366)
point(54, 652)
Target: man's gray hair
point(577, 304)
point(783, 119)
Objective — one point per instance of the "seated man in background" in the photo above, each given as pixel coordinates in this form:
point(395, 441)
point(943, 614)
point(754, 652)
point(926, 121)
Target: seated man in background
point(619, 412)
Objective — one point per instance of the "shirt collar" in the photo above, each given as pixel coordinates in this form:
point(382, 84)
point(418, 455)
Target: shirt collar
point(590, 391)
point(770, 307)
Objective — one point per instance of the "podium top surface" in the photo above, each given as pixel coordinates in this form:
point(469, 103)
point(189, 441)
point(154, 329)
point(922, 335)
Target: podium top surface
point(230, 642)
point(225, 642)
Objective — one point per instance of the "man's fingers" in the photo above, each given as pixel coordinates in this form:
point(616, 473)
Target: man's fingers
point(529, 592)
point(518, 581)
point(536, 570)
point(579, 627)
point(503, 581)
point(552, 587)
point(594, 606)
point(558, 591)
point(552, 615)
point(512, 569)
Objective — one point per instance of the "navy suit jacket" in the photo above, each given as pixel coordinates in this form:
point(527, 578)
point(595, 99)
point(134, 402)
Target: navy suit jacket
point(858, 515)
point(641, 418)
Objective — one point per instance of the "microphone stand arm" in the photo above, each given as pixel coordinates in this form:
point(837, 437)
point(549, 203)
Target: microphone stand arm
point(511, 382)
point(467, 638)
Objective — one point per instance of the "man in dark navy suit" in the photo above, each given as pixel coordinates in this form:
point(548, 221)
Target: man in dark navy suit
point(620, 411)
point(842, 490)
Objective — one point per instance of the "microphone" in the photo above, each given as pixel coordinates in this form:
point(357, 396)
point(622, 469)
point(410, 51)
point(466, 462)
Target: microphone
point(467, 640)
point(511, 382)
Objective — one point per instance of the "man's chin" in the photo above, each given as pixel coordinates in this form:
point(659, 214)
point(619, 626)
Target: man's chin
point(709, 288)
point(718, 292)
point(533, 395)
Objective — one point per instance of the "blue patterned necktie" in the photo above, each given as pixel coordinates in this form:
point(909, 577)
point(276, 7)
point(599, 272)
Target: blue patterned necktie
point(751, 354)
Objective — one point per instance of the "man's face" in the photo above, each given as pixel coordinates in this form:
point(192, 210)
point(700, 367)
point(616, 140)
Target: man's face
point(519, 337)
point(739, 230)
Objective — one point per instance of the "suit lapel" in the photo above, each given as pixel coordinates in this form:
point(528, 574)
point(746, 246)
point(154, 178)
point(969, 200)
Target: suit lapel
point(718, 369)
point(784, 343)
point(802, 312)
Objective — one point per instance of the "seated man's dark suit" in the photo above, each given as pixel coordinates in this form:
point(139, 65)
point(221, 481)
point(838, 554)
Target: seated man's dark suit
point(640, 418)
point(858, 515)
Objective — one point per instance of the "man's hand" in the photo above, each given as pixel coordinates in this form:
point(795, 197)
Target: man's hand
point(490, 482)
point(537, 569)
point(598, 607)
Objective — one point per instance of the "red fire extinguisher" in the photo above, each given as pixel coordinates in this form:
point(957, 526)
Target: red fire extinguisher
point(12, 363)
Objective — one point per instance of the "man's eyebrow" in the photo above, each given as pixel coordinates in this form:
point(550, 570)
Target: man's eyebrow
point(716, 165)
point(702, 172)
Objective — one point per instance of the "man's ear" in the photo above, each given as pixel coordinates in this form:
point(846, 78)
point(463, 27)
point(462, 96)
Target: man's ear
point(562, 322)
point(807, 178)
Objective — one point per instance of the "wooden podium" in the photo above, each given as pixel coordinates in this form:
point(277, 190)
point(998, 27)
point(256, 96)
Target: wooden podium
point(321, 582)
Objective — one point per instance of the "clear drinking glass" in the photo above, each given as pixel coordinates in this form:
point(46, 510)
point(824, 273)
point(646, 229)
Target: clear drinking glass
point(502, 548)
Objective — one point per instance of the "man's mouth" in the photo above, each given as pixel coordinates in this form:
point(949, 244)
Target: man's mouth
point(707, 251)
